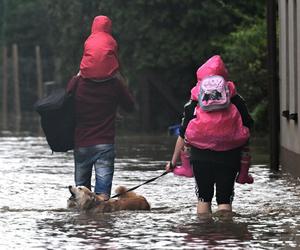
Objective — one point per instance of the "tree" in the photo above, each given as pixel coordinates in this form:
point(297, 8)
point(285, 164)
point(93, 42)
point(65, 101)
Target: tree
point(159, 40)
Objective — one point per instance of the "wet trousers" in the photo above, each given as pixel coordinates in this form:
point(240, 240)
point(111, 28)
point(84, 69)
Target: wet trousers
point(102, 158)
point(211, 174)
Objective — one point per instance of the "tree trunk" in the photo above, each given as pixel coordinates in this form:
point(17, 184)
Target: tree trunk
point(17, 104)
point(4, 87)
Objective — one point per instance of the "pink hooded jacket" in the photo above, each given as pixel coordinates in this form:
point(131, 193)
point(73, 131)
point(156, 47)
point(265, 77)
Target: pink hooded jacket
point(100, 60)
point(218, 130)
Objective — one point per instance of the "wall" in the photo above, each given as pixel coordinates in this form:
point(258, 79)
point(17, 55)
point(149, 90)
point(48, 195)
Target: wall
point(289, 77)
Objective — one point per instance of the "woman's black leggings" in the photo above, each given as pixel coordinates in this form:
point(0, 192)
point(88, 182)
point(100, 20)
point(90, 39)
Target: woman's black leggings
point(207, 174)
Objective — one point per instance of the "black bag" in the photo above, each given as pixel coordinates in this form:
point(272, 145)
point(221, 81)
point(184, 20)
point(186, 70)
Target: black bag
point(57, 113)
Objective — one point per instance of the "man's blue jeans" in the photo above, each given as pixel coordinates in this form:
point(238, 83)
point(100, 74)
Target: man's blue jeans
point(102, 157)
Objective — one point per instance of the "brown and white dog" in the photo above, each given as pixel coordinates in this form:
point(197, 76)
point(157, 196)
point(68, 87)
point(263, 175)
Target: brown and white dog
point(87, 201)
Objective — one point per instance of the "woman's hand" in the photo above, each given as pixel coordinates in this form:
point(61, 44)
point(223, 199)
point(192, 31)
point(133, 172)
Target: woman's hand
point(170, 166)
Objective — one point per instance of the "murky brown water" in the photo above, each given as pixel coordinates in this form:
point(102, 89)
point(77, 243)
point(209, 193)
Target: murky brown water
point(33, 197)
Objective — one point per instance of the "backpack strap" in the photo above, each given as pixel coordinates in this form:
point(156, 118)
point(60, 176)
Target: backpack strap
point(72, 85)
point(189, 110)
point(240, 104)
point(74, 90)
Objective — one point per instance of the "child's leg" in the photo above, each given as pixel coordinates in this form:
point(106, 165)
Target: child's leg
point(83, 167)
point(104, 170)
point(225, 179)
point(244, 176)
point(204, 186)
point(203, 207)
point(226, 207)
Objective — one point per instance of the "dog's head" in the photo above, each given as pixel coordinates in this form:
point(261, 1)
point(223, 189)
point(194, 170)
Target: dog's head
point(82, 197)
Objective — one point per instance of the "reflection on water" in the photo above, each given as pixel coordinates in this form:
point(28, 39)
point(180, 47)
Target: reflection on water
point(33, 210)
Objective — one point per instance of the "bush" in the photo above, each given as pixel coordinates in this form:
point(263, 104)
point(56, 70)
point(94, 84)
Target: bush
point(260, 116)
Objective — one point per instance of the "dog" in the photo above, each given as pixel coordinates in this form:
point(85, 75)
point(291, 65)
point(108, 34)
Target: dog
point(87, 201)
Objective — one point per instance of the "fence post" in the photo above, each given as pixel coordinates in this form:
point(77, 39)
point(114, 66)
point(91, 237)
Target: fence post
point(39, 72)
point(4, 87)
point(17, 102)
point(39, 76)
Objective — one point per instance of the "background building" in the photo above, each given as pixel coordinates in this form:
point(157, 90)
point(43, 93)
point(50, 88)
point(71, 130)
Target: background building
point(289, 82)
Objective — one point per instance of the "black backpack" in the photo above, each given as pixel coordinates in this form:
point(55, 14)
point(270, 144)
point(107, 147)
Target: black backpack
point(57, 113)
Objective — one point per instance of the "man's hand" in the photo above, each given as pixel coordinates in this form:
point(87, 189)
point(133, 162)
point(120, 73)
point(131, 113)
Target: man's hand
point(121, 78)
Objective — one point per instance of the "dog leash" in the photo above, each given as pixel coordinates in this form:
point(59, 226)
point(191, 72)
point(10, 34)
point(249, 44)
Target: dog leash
point(133, 188)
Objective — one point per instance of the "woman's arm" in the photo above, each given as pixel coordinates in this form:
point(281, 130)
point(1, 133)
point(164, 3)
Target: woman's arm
point(187, 116)
point(178, 147)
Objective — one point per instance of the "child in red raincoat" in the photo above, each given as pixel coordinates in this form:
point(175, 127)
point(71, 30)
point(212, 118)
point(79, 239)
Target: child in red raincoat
point(100, 61)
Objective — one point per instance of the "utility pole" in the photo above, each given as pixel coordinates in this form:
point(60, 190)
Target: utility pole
point(273, 82)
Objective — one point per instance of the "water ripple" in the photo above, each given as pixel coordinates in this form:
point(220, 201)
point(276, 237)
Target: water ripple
point(34, 191)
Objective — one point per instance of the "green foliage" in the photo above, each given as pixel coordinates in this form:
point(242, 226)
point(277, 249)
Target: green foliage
point(164, 33)
point(169, 35)
point(164, 40)
point(24, 25)
point(260, 116)
point(173, 40)
point(245, 55)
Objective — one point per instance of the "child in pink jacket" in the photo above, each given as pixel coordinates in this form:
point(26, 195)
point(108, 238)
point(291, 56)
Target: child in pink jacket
point(216, 134)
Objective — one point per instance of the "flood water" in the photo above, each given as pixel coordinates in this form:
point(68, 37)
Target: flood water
point(33, 198)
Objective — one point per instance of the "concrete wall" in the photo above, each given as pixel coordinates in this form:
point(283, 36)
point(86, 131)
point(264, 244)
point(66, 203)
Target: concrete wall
point(289, 78)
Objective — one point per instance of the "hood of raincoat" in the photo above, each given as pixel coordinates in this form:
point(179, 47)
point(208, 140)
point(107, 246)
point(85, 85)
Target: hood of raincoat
point(213, 66)
point(100, 59)
point(101, 24)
